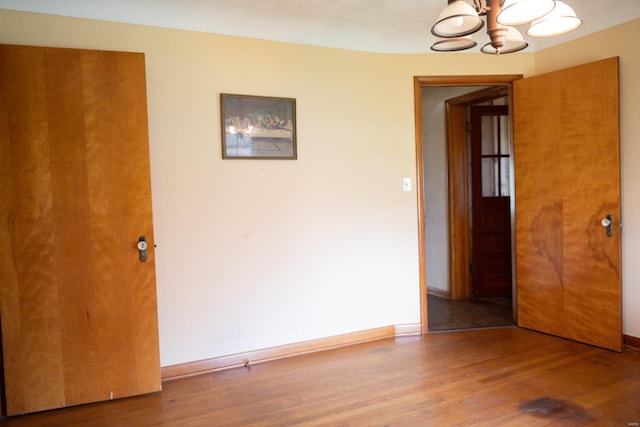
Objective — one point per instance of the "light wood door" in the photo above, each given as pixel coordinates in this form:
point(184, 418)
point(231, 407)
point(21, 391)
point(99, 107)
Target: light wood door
point(567, 179)
point(78, 307)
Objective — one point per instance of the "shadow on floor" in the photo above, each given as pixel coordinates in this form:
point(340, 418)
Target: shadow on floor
point(445, 314)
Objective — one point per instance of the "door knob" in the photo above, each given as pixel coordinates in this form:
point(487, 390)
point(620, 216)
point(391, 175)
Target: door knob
point(142, 248)
point(607, 223)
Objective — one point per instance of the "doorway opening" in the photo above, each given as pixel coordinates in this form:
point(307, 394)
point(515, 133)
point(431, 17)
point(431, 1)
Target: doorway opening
point(446, 202)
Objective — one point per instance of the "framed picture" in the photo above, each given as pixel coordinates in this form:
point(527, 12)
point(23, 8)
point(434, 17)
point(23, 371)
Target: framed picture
point(258, 127)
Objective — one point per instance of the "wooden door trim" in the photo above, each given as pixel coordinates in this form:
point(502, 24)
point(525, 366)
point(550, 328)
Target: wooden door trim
point(458, 204)
point(420, 82)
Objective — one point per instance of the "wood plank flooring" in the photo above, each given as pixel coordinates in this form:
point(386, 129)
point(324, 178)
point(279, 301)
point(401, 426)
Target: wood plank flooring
point(489, 377)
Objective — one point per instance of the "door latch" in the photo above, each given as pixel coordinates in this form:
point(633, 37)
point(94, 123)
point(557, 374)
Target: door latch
point(607, 223)
point(142, 248)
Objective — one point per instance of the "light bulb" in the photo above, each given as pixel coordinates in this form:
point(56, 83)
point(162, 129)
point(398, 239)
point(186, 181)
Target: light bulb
point(457, 21)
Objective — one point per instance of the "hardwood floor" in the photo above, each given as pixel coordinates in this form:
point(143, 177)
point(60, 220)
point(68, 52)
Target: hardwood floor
point(445, 314)
point(491, 377)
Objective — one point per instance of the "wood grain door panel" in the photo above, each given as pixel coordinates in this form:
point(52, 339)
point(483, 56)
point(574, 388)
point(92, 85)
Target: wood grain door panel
point(567, 166)
point(79, 321)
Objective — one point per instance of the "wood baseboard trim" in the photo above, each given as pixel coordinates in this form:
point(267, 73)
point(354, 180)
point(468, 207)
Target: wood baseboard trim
point(408, 329)
point(631, 341)
point(248, 358)
point(439, 293)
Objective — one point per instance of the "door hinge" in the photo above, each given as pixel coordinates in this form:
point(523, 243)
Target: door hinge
point(471, 269)
point(469, 126)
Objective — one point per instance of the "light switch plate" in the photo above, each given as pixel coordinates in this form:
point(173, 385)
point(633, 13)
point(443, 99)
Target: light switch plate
point(406, 184)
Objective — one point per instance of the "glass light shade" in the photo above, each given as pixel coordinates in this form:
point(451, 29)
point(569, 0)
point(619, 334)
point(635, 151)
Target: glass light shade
point(513, 42)
point(456, 20)
point(561, 20)
point(518, 12)
point(454, 44)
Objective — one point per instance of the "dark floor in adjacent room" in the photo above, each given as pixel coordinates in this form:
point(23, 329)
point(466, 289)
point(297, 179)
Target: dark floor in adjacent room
point(445, 314)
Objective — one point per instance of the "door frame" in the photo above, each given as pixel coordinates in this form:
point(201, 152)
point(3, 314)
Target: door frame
point(458, 188)
point(455, 153)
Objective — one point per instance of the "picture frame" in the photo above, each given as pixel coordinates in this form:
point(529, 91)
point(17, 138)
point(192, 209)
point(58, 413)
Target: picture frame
point(258, 127)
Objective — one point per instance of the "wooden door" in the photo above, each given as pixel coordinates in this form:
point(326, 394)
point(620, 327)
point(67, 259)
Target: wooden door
point(79, 320)
point(491, 236)
point(567, 176)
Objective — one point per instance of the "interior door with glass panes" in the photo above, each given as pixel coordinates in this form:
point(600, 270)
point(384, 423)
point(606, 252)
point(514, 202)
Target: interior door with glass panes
point(491, 226)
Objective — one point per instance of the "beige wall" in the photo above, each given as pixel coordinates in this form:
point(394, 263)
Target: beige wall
point(254, 254)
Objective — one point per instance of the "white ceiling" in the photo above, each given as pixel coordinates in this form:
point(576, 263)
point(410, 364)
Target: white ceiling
point(385, 26)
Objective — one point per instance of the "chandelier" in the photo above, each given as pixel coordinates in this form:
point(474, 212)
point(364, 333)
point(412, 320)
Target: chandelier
point(459, 19)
